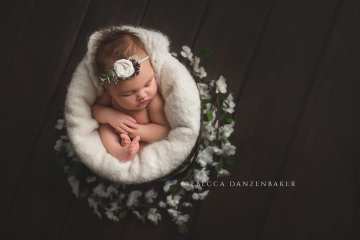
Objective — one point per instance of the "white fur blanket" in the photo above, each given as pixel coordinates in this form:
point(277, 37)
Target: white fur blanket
point(182, 109)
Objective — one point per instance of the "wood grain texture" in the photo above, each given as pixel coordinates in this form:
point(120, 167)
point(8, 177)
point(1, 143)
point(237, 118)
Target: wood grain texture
point(37, 56)
point(269, 103)
point(322, 157)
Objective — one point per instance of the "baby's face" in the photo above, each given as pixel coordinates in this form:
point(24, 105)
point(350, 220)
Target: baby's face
point(135, 93)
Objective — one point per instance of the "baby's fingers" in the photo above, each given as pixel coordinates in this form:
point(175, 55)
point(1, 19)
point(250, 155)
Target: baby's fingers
point(131, 119)
point(131, 124)
point(126, 128)
point(120, 130)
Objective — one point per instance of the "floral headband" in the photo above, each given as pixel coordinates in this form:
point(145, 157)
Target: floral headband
point(123, 69)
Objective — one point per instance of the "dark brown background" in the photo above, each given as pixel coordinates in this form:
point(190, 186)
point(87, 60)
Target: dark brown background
point(293, 66)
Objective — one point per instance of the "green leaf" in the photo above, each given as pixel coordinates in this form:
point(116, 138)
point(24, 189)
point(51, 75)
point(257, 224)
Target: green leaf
point(209, 116)
point(228, 120)
point(204, 53)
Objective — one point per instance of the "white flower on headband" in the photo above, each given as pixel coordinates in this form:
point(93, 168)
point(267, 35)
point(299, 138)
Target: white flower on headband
point(124, 68)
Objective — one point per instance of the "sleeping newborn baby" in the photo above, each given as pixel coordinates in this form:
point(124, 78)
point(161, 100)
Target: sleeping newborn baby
point(131, 110)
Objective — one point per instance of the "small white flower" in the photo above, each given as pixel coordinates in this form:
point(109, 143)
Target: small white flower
point(177, 217)
point(181, 219)
point(58, 145)
point(111, 215)
point(173, 201)
point(60, 124)
point(201, 175)
point(205, 156)
point(138, 215)
point(133, 198)
point(153, 215)
point(114, 206)
point(202, 73)
point(216, 150)
point(209, 132)
point(74, 183)
point(199, 71)
point(207, 107)
point(229, 104)
point(204, 90)
point(100, 191)
point(112, 190)
point(200, 196)
point(196, 63)
point(215, 164)
point(223, 172)
point(195, 196)
point(162, 204)
point(173, 213)
point(168, 184)
point(221, 85)
point(186, 53)
point(226, 130)
point(228, 149)
point(187, 186)
point(124, 68)
point(94, 205)
point(174, 54)
point(103, 192)
point(150, 195)
point(187, 204)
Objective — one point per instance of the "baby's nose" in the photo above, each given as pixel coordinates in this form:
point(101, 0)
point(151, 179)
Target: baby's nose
point(141, 95)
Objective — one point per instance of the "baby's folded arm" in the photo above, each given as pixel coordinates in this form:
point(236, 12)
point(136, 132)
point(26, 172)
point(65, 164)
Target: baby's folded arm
point(150, 132)
point(110, 141)
point(102, 113)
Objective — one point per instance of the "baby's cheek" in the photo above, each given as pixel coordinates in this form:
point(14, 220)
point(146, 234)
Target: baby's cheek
point(155, 90)
point(133, 101)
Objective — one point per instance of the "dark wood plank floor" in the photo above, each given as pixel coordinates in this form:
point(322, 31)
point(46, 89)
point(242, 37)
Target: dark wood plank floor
point(292, 66)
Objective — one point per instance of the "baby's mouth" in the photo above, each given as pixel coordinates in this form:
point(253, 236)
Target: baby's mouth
point(144, 102)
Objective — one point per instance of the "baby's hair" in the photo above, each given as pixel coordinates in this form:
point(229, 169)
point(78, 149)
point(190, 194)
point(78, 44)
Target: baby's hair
point(116, 44)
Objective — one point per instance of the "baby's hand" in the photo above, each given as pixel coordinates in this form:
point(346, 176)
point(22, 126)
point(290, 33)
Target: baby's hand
point(138, 131)
point(122, 122)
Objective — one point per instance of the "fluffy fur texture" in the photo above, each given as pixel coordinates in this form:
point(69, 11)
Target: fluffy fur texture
point(182, 109)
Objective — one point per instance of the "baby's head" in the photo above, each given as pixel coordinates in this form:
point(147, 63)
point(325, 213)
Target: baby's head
point(136, 92)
